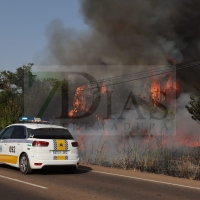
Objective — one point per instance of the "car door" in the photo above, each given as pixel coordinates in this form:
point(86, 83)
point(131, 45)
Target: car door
point(4, 141)
point(16, 141)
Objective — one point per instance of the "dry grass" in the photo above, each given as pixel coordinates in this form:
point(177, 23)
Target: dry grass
point(188, 167)
point(143, 155)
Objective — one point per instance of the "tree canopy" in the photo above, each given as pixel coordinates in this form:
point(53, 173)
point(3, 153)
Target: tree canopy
point(23, 93)
point(11, 93)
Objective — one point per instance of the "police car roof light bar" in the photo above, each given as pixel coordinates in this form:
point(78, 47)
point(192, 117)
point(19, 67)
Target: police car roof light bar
point(33, 120)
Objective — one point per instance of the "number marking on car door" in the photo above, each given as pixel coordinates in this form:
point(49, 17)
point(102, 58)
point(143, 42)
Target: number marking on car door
point(12, 149)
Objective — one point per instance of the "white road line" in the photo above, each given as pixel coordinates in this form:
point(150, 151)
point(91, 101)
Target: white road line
point(27, 183)
point(143, 179)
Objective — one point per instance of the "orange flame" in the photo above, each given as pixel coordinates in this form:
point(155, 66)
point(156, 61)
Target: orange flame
point(156, 92)
point(79, 101)
point(188, 140)
point(103, 88)
point(159, 92)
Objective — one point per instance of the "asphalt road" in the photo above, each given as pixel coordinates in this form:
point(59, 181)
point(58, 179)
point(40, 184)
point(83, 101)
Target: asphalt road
point(85, 184)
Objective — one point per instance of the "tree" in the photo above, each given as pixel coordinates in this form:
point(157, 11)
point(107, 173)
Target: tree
point(6, 78)
point(11, 107)
point(23, 76)
point(22, 93)
point(194, 105)
point(11, 93)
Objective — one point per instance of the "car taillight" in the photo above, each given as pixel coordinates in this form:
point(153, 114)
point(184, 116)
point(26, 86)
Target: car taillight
point(75, 144)
point(40, 144)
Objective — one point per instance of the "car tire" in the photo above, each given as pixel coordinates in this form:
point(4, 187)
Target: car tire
point(24, 164)
point(70, 170)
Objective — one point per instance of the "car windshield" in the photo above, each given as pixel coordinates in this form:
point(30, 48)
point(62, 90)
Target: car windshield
point(50, 133)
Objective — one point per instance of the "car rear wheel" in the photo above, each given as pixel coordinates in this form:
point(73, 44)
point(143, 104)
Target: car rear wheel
point(24, 165)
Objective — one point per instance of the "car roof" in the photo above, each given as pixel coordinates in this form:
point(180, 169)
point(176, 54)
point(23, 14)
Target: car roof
point(37, 125)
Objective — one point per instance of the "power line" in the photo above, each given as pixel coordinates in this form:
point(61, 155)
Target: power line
point(182, 66)
point(137, 73)
point(123, 76)
point(159, 71)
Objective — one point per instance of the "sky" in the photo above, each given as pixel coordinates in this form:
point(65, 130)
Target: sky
point(23, 24)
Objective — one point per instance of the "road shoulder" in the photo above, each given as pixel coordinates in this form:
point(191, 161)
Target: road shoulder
point(141, 175)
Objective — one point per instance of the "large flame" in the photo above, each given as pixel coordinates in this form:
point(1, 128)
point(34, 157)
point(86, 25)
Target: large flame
point(163, 92)
point(166, 92)
point(156, 95)
point(80, 103)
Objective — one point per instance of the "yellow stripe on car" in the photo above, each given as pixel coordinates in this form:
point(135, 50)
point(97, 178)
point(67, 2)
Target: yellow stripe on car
point(8, 159)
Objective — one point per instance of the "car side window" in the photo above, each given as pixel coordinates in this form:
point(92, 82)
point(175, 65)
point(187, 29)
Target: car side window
point(19, 133)
point(7, 133)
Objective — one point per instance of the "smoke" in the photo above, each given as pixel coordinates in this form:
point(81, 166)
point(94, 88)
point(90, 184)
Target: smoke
point(129, 35)
point(182, 116)
point(129, 32)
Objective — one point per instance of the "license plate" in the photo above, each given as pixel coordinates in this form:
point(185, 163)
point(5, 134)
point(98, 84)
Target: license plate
point(59, 152)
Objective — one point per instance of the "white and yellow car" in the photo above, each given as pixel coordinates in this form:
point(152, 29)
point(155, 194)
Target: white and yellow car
point(34, 144)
